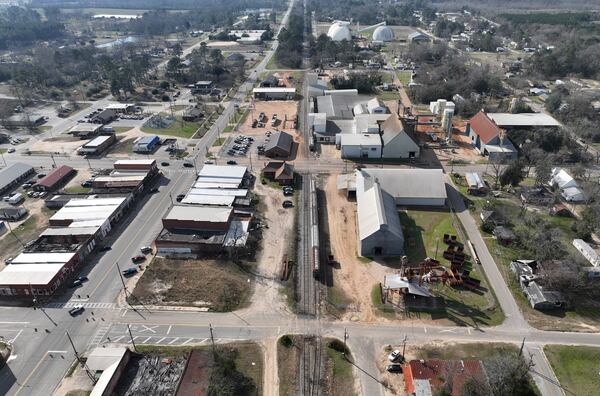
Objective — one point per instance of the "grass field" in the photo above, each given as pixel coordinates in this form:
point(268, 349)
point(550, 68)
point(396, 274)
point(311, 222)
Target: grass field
point(404, 76)
point(220, 285)
point(424, 237)
point(577, 368)
point(340, 373)
point(179, 128)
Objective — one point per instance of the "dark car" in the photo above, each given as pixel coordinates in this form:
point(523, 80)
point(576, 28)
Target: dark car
point(76, 283)
point(40, 175)
point(105, 248)
point(154, 190)
point(83, 278)
point(164, 163)
point(288, 192)
point(180, 197)
point(188, 165)
point(231, 162)
point(394, 368)
point(254, 123)
point(86, 183)
point(76, 310)
point(138, 259)
point(288, 204)
point(129, 271)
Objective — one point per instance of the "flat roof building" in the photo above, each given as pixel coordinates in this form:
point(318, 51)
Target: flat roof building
point(97, 145)
point(201, 218)
point(146, 144)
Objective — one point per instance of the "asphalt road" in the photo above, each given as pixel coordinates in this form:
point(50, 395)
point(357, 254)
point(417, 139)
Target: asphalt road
point(41, 358)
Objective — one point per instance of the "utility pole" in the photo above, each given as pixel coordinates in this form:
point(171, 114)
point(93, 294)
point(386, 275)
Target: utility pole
point(212, 340)
point(122, 280)
point(522, 346)
point(403, 347)
point(80, 361)
point(345, 338)
point(73, 345)
point(131, 336)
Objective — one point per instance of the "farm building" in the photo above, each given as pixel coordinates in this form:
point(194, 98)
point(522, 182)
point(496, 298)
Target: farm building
point(13, 175)
point(274, 93)
point(383, 34)
point(418, 37)
point(488, 138)
point(339, 31)
point(379, 228)
point(55, 179)
point(146, 144)
point(280, 145)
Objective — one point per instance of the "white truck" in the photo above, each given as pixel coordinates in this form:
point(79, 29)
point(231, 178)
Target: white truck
point(16, 199)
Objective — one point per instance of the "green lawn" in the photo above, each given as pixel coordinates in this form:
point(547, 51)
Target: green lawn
point(424, 231)
point(340, 370)
point(77, 190)
point(404, 77)
point(272, 64)
point(576, 367)
point(179, 128)
point(219, 142)
point(424, 237)
point(388, 95)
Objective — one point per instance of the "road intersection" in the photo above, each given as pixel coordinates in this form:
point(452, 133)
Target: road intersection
point(42, 353)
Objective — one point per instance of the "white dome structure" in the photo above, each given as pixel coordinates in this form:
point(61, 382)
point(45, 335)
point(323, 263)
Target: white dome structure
point(383, 33)
point(339, 31)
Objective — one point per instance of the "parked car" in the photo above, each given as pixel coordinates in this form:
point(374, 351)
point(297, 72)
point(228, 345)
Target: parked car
point(288, 204)
point(288, 192)
point(76, 283)
point(231, 162)
point(129, 271)
point(41, 175)
point(76, 310)
point(83, 278)
point(188, 165)
point(105, 248)
point(394, 356)
point(180, 197)
point(254, 123)
point(164, 163)
point(154, 190)
point(138, 259)
point(146, 249)
point(11, 150)
point(8, 260)
point(43, 194)
point(209, 162)
point(394, 368)
point(86, 183)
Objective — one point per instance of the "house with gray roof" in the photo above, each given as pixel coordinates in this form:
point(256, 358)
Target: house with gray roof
point(280, 145)
point(11, 176)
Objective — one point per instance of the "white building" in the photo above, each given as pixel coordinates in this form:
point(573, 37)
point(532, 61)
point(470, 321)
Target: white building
point(586, 250)
point(383, 34)
point(339, 31)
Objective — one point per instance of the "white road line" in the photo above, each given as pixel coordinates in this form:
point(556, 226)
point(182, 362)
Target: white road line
point(17, 336)
point(188, 340)
point(425, 329)
point(124, 312)
point(149, 328)
point(118, 339)
point(169, 330)
point(159, 341)
point(174, 339)
point(57, 352)
point(14, 322)
point(135, 338)
point(146, 340)
point(447, 331)
point(469, 330)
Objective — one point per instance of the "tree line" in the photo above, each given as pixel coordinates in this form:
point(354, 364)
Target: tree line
point(21, 26)
point(291, 40)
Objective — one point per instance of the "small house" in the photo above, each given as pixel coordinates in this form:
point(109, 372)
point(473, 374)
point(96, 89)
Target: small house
point(192, 114)
point(279, 171)
point(541, 299)
point(203, 87)
point(504, 235)
point(280, 145)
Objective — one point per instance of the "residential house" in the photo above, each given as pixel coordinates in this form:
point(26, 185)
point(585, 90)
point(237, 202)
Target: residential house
point(280, 145)
point(488, 138)
point(279, 171)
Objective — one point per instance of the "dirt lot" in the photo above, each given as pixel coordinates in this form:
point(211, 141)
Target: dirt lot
point(285, 109)
point(217, 284)
point(280, 222)
point(354, 276)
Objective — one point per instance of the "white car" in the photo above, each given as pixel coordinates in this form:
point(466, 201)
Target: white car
point(146, 249)
point(11, 150)
point(392, 357)
point(209, 162)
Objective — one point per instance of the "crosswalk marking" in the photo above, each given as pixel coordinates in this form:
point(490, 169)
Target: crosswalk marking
point(174, 340)
point(88, 305)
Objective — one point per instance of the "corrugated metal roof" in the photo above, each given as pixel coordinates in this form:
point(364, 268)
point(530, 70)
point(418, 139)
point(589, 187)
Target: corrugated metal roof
point(523, 119)
point(199, 213)
point(97, 141)
point(218, 200)
point(10, 174)
point(406, 183)
point(222, 171)
point(56, 176)
point(215, 191)
point(377, 212)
